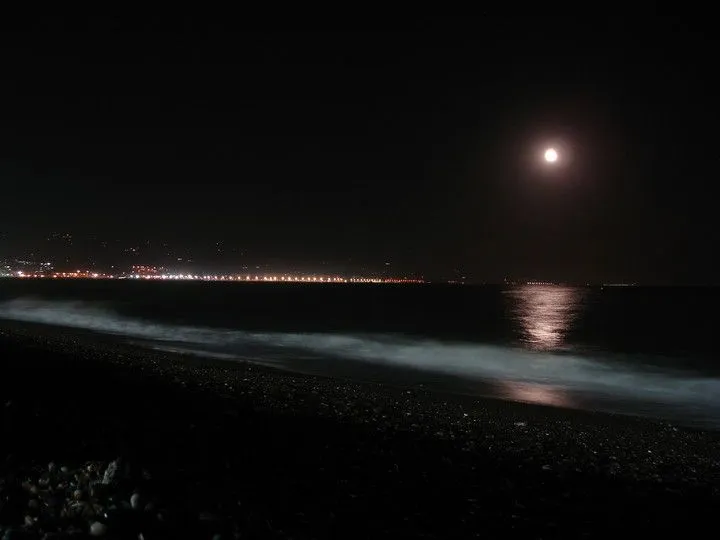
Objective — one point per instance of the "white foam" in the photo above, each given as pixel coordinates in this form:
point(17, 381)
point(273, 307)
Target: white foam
point(469, 360)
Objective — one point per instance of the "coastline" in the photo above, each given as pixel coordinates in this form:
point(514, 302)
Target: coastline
point(283, 454)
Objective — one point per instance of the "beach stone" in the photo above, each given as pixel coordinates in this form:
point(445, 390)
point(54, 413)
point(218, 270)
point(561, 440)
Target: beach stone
point(54, 501)
point(97, 489)
point(84, 510)
point(98, 529)
point(110, 473)
point(13, 534)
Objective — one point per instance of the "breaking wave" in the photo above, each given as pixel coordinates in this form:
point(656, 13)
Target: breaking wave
point(569, 372)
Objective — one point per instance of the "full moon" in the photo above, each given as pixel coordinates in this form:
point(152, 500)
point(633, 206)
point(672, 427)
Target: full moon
point(551, 155)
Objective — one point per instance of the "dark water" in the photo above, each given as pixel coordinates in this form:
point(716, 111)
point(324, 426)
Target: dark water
point(636, 350)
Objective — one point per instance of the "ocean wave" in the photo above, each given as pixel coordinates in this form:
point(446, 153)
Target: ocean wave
point(467, 360)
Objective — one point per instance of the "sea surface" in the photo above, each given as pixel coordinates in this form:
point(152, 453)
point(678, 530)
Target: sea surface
point(632, 350)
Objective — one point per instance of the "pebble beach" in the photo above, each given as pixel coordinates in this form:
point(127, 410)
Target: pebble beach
point(103, 439)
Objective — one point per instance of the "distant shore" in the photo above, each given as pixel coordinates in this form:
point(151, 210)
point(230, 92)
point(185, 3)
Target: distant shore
point(241, 449)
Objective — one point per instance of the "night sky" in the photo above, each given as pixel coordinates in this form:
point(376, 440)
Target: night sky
point(417, 144)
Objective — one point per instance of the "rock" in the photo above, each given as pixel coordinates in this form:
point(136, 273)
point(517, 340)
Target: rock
point(98, 529)
point(83, 510)
point(54, 501)
point(110, 473)
point(135, 501)
point(97, 490)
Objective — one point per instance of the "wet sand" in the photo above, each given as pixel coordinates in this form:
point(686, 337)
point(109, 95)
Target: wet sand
point(246, 451)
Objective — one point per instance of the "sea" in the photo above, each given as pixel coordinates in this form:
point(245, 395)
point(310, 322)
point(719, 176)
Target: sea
point(629, 350)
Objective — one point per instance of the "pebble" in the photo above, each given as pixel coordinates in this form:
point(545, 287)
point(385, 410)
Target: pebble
point(61, 505)
point(98, 529)
point(110, 473)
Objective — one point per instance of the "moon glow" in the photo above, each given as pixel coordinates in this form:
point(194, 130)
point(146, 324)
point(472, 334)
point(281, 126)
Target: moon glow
point(551, 155)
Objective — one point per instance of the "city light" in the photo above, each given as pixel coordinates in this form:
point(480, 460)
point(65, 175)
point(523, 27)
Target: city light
point(143, 272)
point(152, 276)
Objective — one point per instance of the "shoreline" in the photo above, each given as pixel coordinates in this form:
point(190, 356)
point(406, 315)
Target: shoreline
point(303, 451)
point(134, 356)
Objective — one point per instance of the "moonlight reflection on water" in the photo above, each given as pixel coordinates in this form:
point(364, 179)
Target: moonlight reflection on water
point(545, 314)
point(535, 393)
